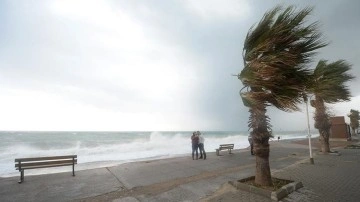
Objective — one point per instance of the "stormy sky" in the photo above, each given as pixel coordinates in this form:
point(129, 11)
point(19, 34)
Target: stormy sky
point(153, 65)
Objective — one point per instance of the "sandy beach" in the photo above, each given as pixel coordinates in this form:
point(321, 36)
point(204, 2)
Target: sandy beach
point(175, 179)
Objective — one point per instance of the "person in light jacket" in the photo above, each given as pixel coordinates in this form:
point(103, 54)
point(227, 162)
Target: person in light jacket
point(201, 145)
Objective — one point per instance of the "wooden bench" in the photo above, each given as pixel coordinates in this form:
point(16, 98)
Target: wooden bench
point(44, 162)
point(228, 147)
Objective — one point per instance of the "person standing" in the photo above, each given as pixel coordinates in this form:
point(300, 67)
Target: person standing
point(251, 141)
point(195, 145)
point(201, 145)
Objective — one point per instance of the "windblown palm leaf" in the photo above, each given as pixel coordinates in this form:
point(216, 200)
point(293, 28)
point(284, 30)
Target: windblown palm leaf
point(275, 53)
point(328, 81)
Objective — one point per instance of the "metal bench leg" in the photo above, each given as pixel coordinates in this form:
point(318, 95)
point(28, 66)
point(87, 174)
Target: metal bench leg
point(229, 151)
point(21, 176)
point(73, 168)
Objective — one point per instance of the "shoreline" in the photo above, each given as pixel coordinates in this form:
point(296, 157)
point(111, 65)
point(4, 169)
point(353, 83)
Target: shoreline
point(301, 142)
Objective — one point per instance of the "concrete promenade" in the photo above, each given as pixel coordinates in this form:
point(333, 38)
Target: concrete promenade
point(331, 178)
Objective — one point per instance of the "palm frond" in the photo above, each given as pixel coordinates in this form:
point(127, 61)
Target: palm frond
point(354, 118)
point(329, 81)
point(275, 55)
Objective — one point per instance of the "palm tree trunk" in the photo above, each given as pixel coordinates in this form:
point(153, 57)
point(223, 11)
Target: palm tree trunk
point(262, 175)
point(324, 142)
point(353, 131)
point(322, 123)
point(261, 135)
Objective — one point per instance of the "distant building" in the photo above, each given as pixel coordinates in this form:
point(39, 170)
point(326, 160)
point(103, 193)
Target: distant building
point(339, 129)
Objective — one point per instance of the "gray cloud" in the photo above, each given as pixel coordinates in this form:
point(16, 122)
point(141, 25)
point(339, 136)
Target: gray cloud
point(87, 62)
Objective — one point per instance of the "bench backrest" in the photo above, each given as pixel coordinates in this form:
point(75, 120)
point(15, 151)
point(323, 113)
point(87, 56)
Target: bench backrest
point(44, 162)
point(227, 146)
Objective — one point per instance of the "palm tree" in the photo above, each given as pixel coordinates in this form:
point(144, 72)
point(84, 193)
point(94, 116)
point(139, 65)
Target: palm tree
point(275, 55)
point(328, 86)
point(354, 120)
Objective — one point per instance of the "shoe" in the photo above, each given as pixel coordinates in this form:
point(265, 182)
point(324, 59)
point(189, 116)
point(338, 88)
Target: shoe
point(200, 157)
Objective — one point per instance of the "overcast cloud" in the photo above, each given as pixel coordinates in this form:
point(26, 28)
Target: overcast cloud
point(145, 65)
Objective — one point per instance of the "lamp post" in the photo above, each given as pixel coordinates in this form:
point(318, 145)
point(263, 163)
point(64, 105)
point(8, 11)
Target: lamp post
point(308, 125)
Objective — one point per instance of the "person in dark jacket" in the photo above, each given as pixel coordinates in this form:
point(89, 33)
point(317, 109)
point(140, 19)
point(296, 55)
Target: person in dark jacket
point(195, 145)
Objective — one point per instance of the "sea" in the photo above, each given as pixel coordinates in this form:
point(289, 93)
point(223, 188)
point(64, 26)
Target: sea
point(104, 149)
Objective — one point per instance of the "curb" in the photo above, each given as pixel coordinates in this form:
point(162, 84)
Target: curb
point(273, 195)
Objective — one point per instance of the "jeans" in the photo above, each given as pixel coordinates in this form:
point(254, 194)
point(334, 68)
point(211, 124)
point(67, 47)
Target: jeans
point(195, 148)
point(202, 151)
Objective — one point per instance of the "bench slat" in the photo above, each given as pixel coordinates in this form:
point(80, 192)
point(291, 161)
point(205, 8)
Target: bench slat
point(40, 164)
point(45, 158)
point(221, 148)
point(44, 166)
point(226, 145)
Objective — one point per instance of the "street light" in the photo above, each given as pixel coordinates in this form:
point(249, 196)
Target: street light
point(308, 125)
